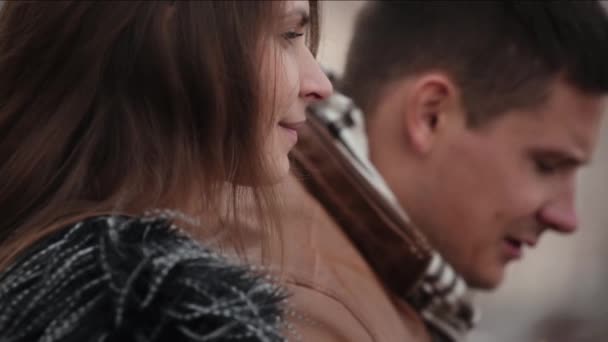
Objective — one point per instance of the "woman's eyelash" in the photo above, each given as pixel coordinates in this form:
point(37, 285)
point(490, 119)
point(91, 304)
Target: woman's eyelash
point(290, 35)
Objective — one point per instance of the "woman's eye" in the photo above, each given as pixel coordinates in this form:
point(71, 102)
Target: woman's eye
point(291, 35)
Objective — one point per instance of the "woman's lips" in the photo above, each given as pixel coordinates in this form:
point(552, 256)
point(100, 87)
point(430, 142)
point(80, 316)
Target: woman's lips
point(291, 129)
point(292, 125)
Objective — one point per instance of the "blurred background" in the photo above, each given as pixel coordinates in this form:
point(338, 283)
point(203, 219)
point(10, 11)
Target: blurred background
point(557, 293)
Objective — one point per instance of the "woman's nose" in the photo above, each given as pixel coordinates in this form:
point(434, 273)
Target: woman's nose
point(314, 84)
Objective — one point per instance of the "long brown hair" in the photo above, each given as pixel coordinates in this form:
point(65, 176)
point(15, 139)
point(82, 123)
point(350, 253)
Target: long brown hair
point(128, 105)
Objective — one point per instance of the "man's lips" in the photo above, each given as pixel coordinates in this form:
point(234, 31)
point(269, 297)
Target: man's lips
point(528, 241)
point(513, 248)
point(514, 245)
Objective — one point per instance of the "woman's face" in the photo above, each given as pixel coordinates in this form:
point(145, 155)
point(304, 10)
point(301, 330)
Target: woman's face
point(293, 79)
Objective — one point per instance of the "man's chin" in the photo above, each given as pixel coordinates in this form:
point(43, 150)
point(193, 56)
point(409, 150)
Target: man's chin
point(486, 281)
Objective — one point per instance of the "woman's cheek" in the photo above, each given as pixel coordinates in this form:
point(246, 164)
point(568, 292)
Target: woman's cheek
point(289, 78)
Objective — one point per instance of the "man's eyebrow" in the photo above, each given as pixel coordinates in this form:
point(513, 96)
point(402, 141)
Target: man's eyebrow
point(560, 157)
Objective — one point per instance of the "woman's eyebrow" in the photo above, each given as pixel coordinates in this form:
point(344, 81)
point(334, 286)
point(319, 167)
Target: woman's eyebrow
point(304, 17)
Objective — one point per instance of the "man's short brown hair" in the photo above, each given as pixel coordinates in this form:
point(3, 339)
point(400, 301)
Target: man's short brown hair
point(501, 55)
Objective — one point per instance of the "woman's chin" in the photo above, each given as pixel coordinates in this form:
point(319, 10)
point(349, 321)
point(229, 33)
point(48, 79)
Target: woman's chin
point(274, 173)
point(278, 170)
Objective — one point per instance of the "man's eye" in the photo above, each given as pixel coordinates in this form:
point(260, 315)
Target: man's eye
point(291, 35)
point(544, 167)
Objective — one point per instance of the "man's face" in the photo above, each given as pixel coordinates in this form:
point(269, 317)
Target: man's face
point(486, 194)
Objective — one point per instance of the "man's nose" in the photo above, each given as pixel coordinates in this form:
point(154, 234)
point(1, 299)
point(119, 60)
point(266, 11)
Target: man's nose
point(560, 214)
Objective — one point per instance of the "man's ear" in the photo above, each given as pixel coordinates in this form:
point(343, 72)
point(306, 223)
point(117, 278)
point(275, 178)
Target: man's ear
point(431, 98)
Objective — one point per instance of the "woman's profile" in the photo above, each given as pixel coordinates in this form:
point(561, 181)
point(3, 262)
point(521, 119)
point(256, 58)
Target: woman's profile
point(111, 109)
